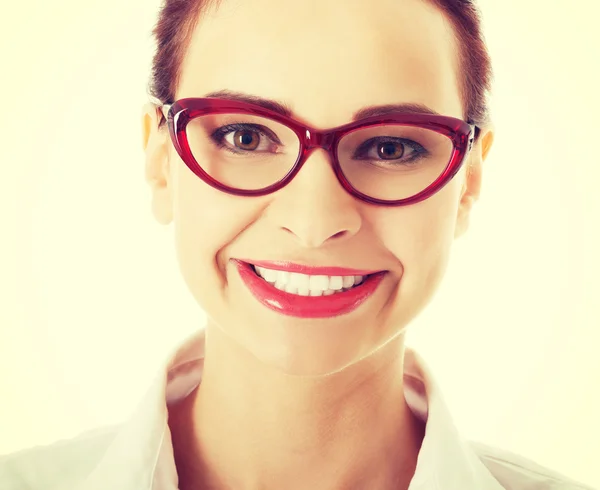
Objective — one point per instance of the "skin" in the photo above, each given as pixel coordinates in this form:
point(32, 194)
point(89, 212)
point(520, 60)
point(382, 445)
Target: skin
point(300, 397)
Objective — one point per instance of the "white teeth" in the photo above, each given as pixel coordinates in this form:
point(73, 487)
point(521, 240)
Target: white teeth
point(348, 281)
point(269, 275)
point(336, 283)
point(282, 279)
point(305, 285)
point(301, 281)
point(319, 283)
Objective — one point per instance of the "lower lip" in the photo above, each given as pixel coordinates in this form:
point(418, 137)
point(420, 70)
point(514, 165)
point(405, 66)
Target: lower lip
point(307, 306)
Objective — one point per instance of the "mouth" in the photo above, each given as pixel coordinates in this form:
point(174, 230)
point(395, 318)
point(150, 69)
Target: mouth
point(305, 295)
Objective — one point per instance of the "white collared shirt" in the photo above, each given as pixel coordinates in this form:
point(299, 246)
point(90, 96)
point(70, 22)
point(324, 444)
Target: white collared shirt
point(138, 455)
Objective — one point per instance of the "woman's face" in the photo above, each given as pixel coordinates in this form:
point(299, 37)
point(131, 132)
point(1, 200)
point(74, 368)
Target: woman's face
point(325, 59)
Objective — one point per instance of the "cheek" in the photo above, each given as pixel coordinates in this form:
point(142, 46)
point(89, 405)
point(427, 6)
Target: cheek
point(421, 240)
point(205, 221)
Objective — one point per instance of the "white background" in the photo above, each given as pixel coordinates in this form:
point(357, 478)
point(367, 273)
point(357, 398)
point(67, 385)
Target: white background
point(92, 302)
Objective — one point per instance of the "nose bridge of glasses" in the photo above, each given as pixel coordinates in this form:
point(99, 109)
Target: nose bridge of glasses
point(318, 139)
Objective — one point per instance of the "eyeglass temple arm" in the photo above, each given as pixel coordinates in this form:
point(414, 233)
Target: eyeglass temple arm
point(164, 110)
point(160, 106)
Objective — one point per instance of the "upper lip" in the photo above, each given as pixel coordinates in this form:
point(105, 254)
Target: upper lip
point(282, 265)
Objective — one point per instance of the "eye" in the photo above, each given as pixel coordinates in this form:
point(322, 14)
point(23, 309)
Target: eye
point(245, 139)
point(390, 150)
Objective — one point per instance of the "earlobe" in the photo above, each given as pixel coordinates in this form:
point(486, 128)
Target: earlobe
point(157, 169)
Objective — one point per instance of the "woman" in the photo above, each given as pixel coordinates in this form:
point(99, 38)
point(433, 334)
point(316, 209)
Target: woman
point(317, 160)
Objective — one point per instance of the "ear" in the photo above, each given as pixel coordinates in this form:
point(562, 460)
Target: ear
point(155, 142)
point(472, 184)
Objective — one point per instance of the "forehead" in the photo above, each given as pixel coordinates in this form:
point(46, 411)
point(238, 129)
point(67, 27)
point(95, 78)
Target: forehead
point(326, 58)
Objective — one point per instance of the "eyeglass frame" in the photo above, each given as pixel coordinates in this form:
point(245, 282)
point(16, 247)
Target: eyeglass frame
point(182, 111)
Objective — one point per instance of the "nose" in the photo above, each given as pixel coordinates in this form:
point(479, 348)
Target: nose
point(314, 207)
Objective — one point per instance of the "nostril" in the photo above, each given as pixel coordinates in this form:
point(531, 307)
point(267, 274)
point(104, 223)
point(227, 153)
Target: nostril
point(340, 234)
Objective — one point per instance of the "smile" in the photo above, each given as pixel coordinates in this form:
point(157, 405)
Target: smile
point(291, 290)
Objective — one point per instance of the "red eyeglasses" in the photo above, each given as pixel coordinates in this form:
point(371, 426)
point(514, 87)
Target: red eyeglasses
point(247, 150)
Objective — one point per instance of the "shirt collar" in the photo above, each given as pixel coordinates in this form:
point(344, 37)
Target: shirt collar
point(141, 455)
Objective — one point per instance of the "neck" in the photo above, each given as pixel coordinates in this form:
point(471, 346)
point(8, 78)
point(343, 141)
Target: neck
point(253, 427)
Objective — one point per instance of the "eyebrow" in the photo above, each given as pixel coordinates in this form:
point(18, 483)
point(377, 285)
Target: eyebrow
point(270, 104)
point(285, 110)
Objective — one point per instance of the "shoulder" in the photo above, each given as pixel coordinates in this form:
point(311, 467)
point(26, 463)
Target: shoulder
point(515, 472)
point(57, 465)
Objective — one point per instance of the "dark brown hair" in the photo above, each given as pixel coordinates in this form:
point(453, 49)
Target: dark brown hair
point(178, 19)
